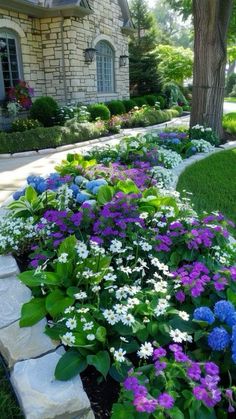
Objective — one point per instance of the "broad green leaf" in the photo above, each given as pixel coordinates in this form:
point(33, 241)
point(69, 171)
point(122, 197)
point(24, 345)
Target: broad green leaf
point(68, 246)
point(175, 413)
point(231, 295)
point(31, 194)
point(46, 278)
point(32, 312)
point(127, 186)
point(101, 334)
point(57, 302)
point(101, 361)
point(122, 411)
point(70, 364)
point(105, 194)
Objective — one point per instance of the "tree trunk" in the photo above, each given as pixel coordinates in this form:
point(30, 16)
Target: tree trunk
point(211, 21)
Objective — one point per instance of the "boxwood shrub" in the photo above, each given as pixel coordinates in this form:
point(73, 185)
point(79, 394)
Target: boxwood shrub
point(150, 99)
point(140, 101)
point(179, 109)
point(116, 107)
point(129, 104)
point(161, 100)
point(45, 109)
point(99, 110)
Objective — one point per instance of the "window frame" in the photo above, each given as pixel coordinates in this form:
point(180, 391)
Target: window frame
point(11, 34)
point(112, 74)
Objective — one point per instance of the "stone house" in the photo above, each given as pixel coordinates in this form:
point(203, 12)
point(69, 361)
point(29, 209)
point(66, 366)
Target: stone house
point(73, 50)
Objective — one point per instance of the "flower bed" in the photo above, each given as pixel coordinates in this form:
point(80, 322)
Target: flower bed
point(133, 282)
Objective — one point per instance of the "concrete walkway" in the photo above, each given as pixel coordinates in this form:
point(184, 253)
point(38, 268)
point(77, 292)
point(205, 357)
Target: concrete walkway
point(14, 170)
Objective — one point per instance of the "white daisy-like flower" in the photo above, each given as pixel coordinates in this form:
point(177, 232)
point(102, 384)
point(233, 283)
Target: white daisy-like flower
point(120, 309)
point(143, 215)
point(146, 320)
point(68, 339)
point(179, 336)
point(119, 355)
point(82, 250)
point(63, 258)
point(80, 295)
point(110, 277)
point(183, 315)
point(131, 302)
point(91, 336)
point(160, 286)
point(119, 261)
point(145, 350)
point(116, 246)
point(124, 339)
point(121, 294)
point(96, 288)
point(88, 326)
point(83, 310)
point(126, 269)
point(127, 319)
point(71, 323)
point(69, 310)
point(146, 247)
point(111, 317)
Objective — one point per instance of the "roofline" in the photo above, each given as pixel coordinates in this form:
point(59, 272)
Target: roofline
point(34, 10)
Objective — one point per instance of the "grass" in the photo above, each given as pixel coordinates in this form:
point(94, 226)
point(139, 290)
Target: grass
point(230, 99)
point(212, 183)
point(9, 408)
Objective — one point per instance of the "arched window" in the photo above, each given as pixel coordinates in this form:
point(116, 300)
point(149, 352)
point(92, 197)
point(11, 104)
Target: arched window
point(105, 67)
point(10, 71)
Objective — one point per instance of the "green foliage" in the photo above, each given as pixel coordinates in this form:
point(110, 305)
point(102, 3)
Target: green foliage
point(161, 100)
point(173, 95)
point(233, 93)
point(116, 107)
point(140, 101)
point(229, 122)
point(69, 365)
point(150, 99)
point(21, 125)
point(45, 109)
point(175, 63)
point(173, 112)
point(129, 104)
point(230, 83)
point(178, 108)
point(99, 110)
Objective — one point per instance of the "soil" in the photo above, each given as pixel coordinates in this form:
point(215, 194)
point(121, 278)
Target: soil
point(102, 395)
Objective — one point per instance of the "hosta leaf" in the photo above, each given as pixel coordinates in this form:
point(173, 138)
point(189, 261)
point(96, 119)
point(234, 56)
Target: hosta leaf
point(32, 312)
point(70, 364)
point(101, 361)
point(57, 302)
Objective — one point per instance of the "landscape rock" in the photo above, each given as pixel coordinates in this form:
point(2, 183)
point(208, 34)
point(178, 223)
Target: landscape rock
point(8, 266)
point(12, 295)
point(20, 343)
point(42, 396)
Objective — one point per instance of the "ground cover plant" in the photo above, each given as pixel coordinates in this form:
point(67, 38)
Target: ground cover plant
point(212, 183)
point(132, 280)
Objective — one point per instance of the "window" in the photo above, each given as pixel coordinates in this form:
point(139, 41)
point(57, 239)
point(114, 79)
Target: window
point(9, 61)
point(105, 67)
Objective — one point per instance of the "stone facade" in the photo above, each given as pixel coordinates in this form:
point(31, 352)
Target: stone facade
point(52, 51)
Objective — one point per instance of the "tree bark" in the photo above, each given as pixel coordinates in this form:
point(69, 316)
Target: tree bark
point(211, 22)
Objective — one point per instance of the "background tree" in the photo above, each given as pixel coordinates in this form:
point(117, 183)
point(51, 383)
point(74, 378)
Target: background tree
point(212, 19)
point(143, 61)
point(175, 63)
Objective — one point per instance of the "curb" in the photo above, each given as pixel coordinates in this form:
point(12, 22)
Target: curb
point(124, 132)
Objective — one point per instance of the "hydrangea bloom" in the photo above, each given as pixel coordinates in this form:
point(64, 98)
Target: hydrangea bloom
point(204, 314)
point(218, 339)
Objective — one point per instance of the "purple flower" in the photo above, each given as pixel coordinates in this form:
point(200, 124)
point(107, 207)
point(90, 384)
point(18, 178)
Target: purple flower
point(211, 368)
point(159, 353)
point(194, 371)
point(166, 401)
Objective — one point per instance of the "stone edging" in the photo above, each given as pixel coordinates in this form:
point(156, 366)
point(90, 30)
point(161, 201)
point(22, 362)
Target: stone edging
point(32, 356)
point(128, 131)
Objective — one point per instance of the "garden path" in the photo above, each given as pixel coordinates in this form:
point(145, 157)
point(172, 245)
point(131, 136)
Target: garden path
point(14, 170)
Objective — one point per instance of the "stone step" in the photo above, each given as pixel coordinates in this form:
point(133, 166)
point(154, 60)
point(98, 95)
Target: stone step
point(41, 396)
point(20, 343)
point(8, 266)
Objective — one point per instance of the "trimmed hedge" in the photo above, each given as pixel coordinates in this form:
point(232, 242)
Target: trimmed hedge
point(129, 104)
point(116, 107)
point(179, 109)
point(99, 110)
point(140, 101)
point(150, 99)
point(45, 109)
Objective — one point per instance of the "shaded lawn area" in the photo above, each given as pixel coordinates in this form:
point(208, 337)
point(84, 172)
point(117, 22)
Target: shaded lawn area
point(212, 182)
point(9, 408)
point(230, 99)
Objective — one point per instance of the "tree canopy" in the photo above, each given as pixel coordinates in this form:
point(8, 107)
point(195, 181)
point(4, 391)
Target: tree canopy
point(175, 63)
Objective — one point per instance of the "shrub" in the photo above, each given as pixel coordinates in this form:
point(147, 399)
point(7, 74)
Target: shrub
point(173, 112)
point(178, 108)
point(161, 100)
point(99, 110)
point(116, 107)
point(150, 99)
point(233, 93)
point(45, 109)
point(231, 81)
point(186, 108)
point(173, 95)
point(20, 125)
point(140, 101)
point(65, 113)
point(199, 132)
point(77, 132)
point(129, 104)
point(229, 122)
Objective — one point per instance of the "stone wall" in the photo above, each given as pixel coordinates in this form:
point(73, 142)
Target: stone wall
point(53, 58)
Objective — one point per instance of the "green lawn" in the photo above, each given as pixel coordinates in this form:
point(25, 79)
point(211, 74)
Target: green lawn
point(8, 406)
point(212, 182)
point(230, 99)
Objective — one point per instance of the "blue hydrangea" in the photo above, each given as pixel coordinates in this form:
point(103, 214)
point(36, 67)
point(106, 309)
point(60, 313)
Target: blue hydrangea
point(234, 340)
point(75, 189)
point(92, 184)
point(18, 194)
point(80, 179)
point(224, 310)
point(41, 187)
point(175, 141)
point(82, 197)
point(231, 321)
point(54, 176)
point(218, 339)
point(204, 314)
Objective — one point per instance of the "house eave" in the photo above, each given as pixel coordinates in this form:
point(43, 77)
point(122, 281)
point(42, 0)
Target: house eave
point(33, 10)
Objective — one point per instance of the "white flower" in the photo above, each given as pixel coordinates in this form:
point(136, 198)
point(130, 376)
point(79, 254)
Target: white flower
point(145, 246)
point(179, 336)
point(120, 355)
point(88, 326)
point(111, 317)
point(145, 350)
point(71, 323)
point(82, 250)
point(69, 310)
point(124, 339)
point(91, 336)
point(143, 215)
point(96, 288)
point(120, 309)
point(116, 246)
point(127, 319)
point(68, 339)
point(83, 310)
point(110, 277)
point(126, 269)
point(183, 315)
point(63, 258)
point(161, 307)
point(161, 286)
point(80, 295)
